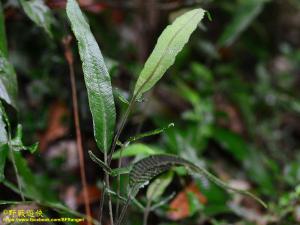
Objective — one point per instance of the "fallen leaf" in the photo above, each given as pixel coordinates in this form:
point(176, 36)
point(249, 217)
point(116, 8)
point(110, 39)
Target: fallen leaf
point(179, 207)
point(56, 127)
point(93, 193)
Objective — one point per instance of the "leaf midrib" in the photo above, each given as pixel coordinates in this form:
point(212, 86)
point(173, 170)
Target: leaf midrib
point(104, 116)
point(162, 56)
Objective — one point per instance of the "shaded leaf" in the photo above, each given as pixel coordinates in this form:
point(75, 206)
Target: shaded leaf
point(169, 44)
point(121, 96)
point(232, 142)
point(245, 13)
point(158, 186)
point(3, 132)
point(8, 81)
point(3, 143)
point(180, 207)
point(251, 158)
point(3, 42)
point(143, 171)
point(39, 13)
point(96, 76)
point(3, 157)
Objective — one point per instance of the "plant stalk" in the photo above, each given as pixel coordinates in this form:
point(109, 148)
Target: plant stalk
point(107, 185)
point(147, 212)
point(69, 58)
point(15, 166)
point(12, 154)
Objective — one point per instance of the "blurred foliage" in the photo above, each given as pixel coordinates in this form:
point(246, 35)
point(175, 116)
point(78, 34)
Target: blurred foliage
point(232, 94)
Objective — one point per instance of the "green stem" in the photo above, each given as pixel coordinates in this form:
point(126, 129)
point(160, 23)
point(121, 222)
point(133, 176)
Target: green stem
point(11, 151)
point(109, 196)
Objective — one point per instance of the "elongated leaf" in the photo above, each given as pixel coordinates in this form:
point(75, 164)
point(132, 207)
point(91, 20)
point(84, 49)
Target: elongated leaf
point(39, 13)
point(8, 81)
point(158, 186)
point(245, 13)
point(96, 76)
point(146, 169)
point(134, 150)
point(3, 42)
point(169, 44)
point(149, 133)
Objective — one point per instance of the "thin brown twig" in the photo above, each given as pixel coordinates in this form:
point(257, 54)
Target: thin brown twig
point(69, 58)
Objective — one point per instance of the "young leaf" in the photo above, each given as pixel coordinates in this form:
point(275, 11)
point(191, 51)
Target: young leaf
point(8, 81)
point(169, 44)
point(39, 13)
point(96, 76)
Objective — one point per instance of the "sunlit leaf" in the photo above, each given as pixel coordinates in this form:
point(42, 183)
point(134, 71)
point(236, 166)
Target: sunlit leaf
point(39, 13)
point(33, 186)
point(3, 157)
point(158, 186)
point(169, 44)
point(96, 76)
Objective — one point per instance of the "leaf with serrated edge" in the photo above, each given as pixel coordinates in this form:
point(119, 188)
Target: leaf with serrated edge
point(96, 77)
point(145, 170)
point(169, 44)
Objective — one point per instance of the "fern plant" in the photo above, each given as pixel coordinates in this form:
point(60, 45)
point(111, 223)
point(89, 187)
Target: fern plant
point(103, 110)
